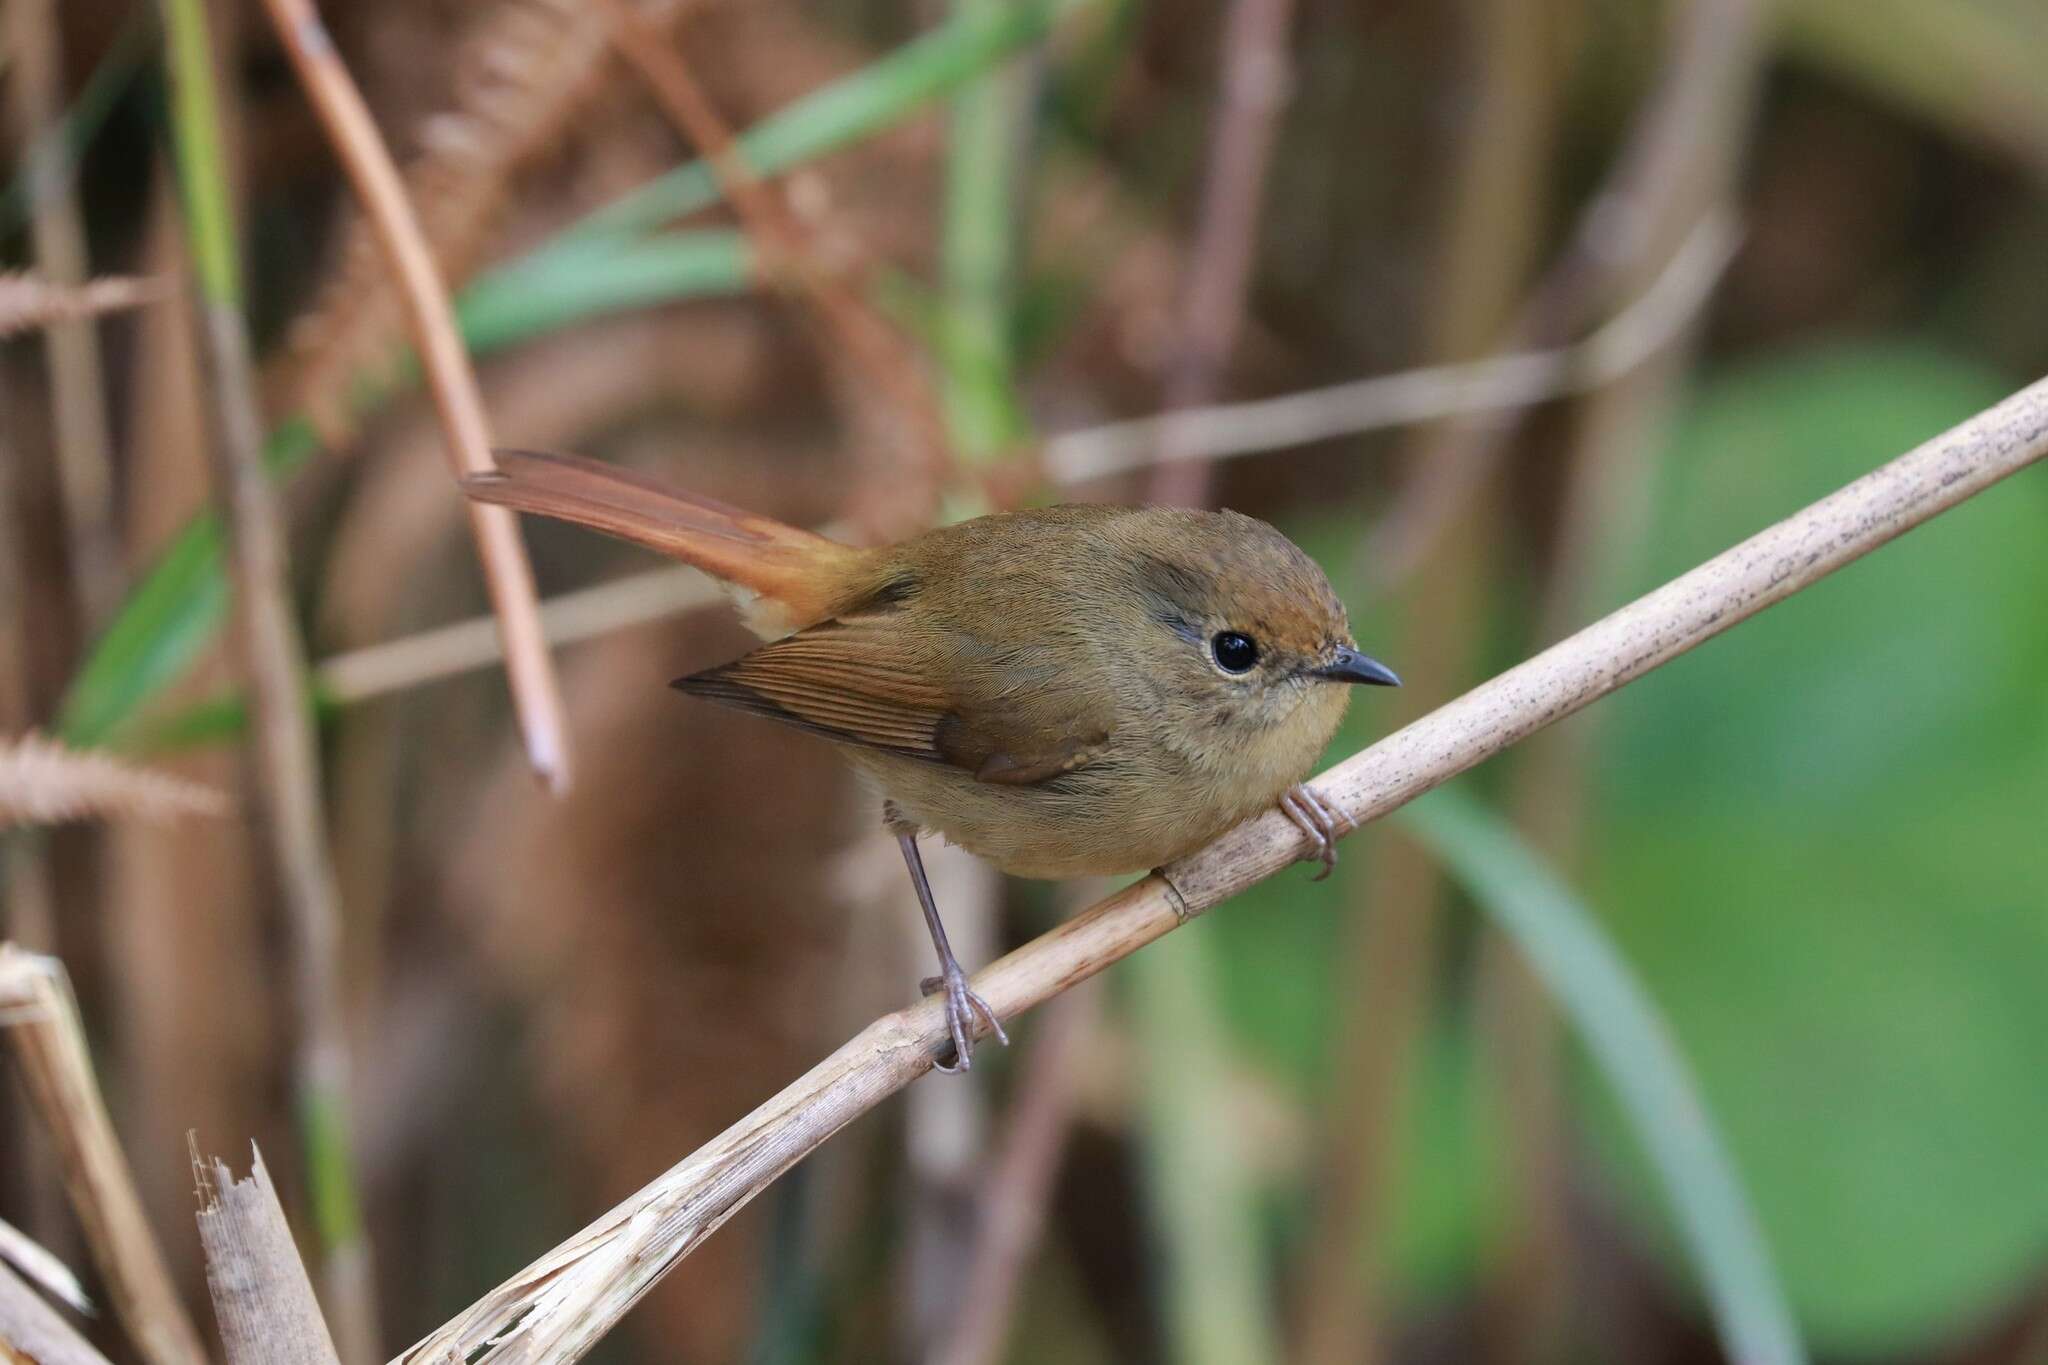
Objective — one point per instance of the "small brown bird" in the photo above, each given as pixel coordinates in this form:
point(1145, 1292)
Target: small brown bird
point(1066, 691)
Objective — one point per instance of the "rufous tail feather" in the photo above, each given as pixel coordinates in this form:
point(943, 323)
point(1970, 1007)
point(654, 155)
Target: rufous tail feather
point(788, 578)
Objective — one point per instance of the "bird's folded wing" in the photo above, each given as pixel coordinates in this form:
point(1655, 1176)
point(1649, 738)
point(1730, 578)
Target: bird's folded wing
point(874, 683)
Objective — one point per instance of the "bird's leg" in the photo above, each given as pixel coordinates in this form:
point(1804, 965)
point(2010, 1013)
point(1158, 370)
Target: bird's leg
point(965, 1010)
point(1300, 804)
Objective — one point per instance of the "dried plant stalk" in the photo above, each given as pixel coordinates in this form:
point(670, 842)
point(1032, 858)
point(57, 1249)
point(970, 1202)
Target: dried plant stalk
point(523, 74)
point(44, 783)
point(28, 301)
point(871, 342)
point(31, 1333)
point(558, 1307)
point(35, 1263)
point(536, 693)
point(261, 1295)
point(49, 1043)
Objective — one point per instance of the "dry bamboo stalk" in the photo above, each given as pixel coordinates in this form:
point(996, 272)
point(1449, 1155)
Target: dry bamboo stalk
point(536, 694)
point(283, 749)
point(31, 1333)
point(261, 1295)
point(558, 1307)
point(49, 1042)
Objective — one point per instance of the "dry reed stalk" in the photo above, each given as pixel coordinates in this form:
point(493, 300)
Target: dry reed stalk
point(31, 1333)
point(261, 1295)
point(871, 343)
point(284, 751)
point(559, 1306)
point(44, 783)
point(43, 1027)
point(39, 1266)
point(28, 301)
point(78, 400)
point(1252, 94)
point(525, 71)
point(536, 694)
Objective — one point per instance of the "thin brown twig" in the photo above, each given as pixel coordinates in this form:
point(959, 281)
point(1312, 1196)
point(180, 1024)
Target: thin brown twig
point(558, 1307)
point(1251, 95)
point(536, 694)
point(871, 342)
point(48, 1041)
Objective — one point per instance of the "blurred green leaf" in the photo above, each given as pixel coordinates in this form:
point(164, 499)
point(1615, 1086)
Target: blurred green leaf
point(1614, 1017)
point(856, 106)
point(1218, 1283)
point(1820, 842)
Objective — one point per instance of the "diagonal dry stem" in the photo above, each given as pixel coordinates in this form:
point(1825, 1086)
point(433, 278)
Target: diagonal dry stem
point(871, 342)
point(558, 1307)
point(535, 691)
point(48, 1040)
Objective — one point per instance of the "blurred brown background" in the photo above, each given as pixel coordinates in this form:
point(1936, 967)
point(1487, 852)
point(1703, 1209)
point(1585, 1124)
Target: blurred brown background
point(1818, 842)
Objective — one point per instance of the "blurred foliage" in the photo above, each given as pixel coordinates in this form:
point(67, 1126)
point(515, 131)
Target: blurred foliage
point(1816, 843)
point(1820, 842)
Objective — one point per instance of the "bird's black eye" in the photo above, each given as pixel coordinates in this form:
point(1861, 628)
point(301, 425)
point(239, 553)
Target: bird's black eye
point(1235, 652)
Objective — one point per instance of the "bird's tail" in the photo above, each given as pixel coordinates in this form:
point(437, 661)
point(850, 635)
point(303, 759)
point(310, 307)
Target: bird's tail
point(788, 578)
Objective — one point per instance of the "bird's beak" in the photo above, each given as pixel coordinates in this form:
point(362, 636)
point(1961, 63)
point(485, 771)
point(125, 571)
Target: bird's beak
point(1348, 665)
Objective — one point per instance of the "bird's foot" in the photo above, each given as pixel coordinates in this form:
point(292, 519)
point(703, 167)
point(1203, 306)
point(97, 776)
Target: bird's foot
point(964, 1010)
point(1322, 825)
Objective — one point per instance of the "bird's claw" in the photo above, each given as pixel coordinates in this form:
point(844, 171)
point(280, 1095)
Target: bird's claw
point(1301, 805)
point(964, 1010)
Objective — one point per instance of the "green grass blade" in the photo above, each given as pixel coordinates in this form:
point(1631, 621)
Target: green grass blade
point(1627, 1039)
point(170, 617)
point(983, 169)
point(858, 105)
point(1217, 1279)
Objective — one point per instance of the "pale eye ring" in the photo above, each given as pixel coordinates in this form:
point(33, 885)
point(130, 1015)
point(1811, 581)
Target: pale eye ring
point(1234, 651)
